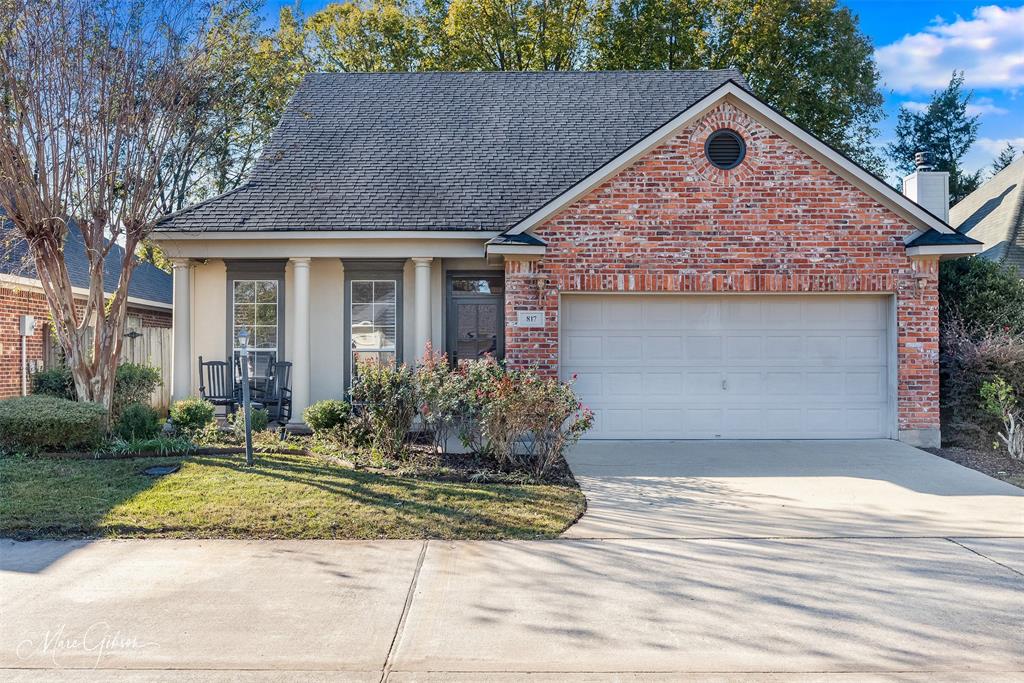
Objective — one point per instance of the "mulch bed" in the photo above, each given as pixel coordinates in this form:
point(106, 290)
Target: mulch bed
point(994, 463)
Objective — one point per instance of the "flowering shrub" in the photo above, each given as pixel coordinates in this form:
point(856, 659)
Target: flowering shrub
point(530, 420)
point(387, 396)
point(439, 389)
point(474, 381)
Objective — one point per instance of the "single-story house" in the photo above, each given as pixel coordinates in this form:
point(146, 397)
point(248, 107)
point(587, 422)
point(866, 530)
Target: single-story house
point(994, 215)
point(702, 266)
point(149, 301)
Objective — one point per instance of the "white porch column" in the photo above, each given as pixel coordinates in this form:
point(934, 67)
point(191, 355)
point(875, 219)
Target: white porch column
point(422, 325)
point(300, 337)
point(181, 345)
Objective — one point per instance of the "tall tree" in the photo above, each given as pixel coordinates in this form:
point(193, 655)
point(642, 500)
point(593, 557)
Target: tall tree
point(1004, 159)
point(945, 131)
point(807, 58)
point(511, 35)
point(378, 35)
point(93, 94)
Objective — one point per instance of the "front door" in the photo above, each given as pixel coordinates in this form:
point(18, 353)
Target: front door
point(476, 316)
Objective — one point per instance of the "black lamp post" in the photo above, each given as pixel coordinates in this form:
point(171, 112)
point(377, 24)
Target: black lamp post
point(243, 343)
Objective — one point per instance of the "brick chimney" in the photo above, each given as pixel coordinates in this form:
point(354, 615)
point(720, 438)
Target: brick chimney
point(928, 187)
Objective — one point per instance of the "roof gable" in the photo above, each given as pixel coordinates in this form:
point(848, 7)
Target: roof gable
point(441, 151)
point(731, 91)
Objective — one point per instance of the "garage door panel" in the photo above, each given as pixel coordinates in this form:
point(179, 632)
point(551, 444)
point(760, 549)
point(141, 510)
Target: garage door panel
point(664, 383)
point(865, 347)
point(745, 349)
point(581, 348)
point(658, 347)
point(703, 348)
point(623, 348)
point(778, 347)
point(788, 366)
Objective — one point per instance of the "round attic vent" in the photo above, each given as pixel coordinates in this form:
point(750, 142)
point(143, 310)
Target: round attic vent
point(725, 149)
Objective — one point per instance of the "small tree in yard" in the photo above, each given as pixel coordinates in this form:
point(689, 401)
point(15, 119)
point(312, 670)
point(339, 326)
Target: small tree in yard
point(92, 93)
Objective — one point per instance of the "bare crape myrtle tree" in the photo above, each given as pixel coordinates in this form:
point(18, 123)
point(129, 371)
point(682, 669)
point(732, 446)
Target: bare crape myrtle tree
point(92, 93)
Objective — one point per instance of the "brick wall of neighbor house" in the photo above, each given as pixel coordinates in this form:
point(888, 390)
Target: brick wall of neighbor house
point(779, 222)
point(14, 303)
point(18, 301)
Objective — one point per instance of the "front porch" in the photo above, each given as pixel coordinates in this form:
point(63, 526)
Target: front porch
point(323, 314)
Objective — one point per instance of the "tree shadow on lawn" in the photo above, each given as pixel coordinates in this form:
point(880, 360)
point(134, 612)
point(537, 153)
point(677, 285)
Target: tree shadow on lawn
point(45, 497)
point(422, 505)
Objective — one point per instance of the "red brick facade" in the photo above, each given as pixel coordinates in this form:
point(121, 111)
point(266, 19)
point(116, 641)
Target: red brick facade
point(17, 301)
point(779, 222)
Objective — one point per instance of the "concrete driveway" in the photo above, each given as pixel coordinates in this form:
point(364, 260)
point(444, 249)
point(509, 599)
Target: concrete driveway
point(785, 489)
point(797, 576)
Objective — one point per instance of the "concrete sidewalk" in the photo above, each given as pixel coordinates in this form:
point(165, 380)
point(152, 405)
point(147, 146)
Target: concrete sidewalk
point(438, 611)
point(769, 561)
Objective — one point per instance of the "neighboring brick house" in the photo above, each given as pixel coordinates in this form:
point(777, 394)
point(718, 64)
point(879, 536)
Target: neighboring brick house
point(149, 303)
point(700, 265)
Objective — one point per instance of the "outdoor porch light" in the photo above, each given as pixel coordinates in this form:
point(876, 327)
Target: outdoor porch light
point(243, 342)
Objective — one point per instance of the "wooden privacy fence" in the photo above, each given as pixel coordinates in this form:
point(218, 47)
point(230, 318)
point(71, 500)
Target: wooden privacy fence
point(152, 346)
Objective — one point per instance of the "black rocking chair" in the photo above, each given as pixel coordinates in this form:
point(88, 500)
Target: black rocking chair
point(277, 393)
point(216, 384)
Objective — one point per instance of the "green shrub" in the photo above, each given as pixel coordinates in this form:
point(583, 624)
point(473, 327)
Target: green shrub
point(531, 420)
point(969, 361)
point(982, 295)
point(328, 418)
point(138, 421)
point(190, 416)
point(440, 390)
point(258, 421)
point(386, 394)
point(41, 422)
point(54, 382)
point(133, 384)
point(1000, 399)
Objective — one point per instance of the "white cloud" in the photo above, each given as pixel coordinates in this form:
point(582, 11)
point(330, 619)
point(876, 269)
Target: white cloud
point(996, 145)
point(988, 47)
point(981, 106)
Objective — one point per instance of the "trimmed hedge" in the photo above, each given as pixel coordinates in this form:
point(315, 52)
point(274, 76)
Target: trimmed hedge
point(138, 421)
point(31, 423)
point(191, 415)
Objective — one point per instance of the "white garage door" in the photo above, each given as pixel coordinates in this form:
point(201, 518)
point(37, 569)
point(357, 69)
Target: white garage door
point(733, 367)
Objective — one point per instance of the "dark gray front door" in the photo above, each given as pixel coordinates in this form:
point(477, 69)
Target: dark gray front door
point(476, 316)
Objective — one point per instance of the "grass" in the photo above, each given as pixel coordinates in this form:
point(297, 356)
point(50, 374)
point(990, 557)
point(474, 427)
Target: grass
point(282, 496)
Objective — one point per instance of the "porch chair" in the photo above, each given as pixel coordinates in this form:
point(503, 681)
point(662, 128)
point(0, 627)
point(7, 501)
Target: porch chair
point(277, 395)
point(217, 385)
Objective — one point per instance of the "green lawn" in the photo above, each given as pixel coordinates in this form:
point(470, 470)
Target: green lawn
point(283, 496)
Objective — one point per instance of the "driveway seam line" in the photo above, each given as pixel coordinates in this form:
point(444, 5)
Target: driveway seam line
point(405, 612)
point(1004, 566)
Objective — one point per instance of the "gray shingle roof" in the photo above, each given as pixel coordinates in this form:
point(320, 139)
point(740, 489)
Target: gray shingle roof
point(994, 215)
point(442, 151)
point(148, 281)
point(934, 238)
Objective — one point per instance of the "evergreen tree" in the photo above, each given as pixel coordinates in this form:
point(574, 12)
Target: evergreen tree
point(945, 131)
point(1004, 159)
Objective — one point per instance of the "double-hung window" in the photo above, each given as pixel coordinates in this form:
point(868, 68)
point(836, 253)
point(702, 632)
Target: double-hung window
point(374, 320)
point(254, 305)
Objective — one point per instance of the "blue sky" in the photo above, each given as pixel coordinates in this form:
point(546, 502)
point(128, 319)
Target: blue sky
point(918, 43)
